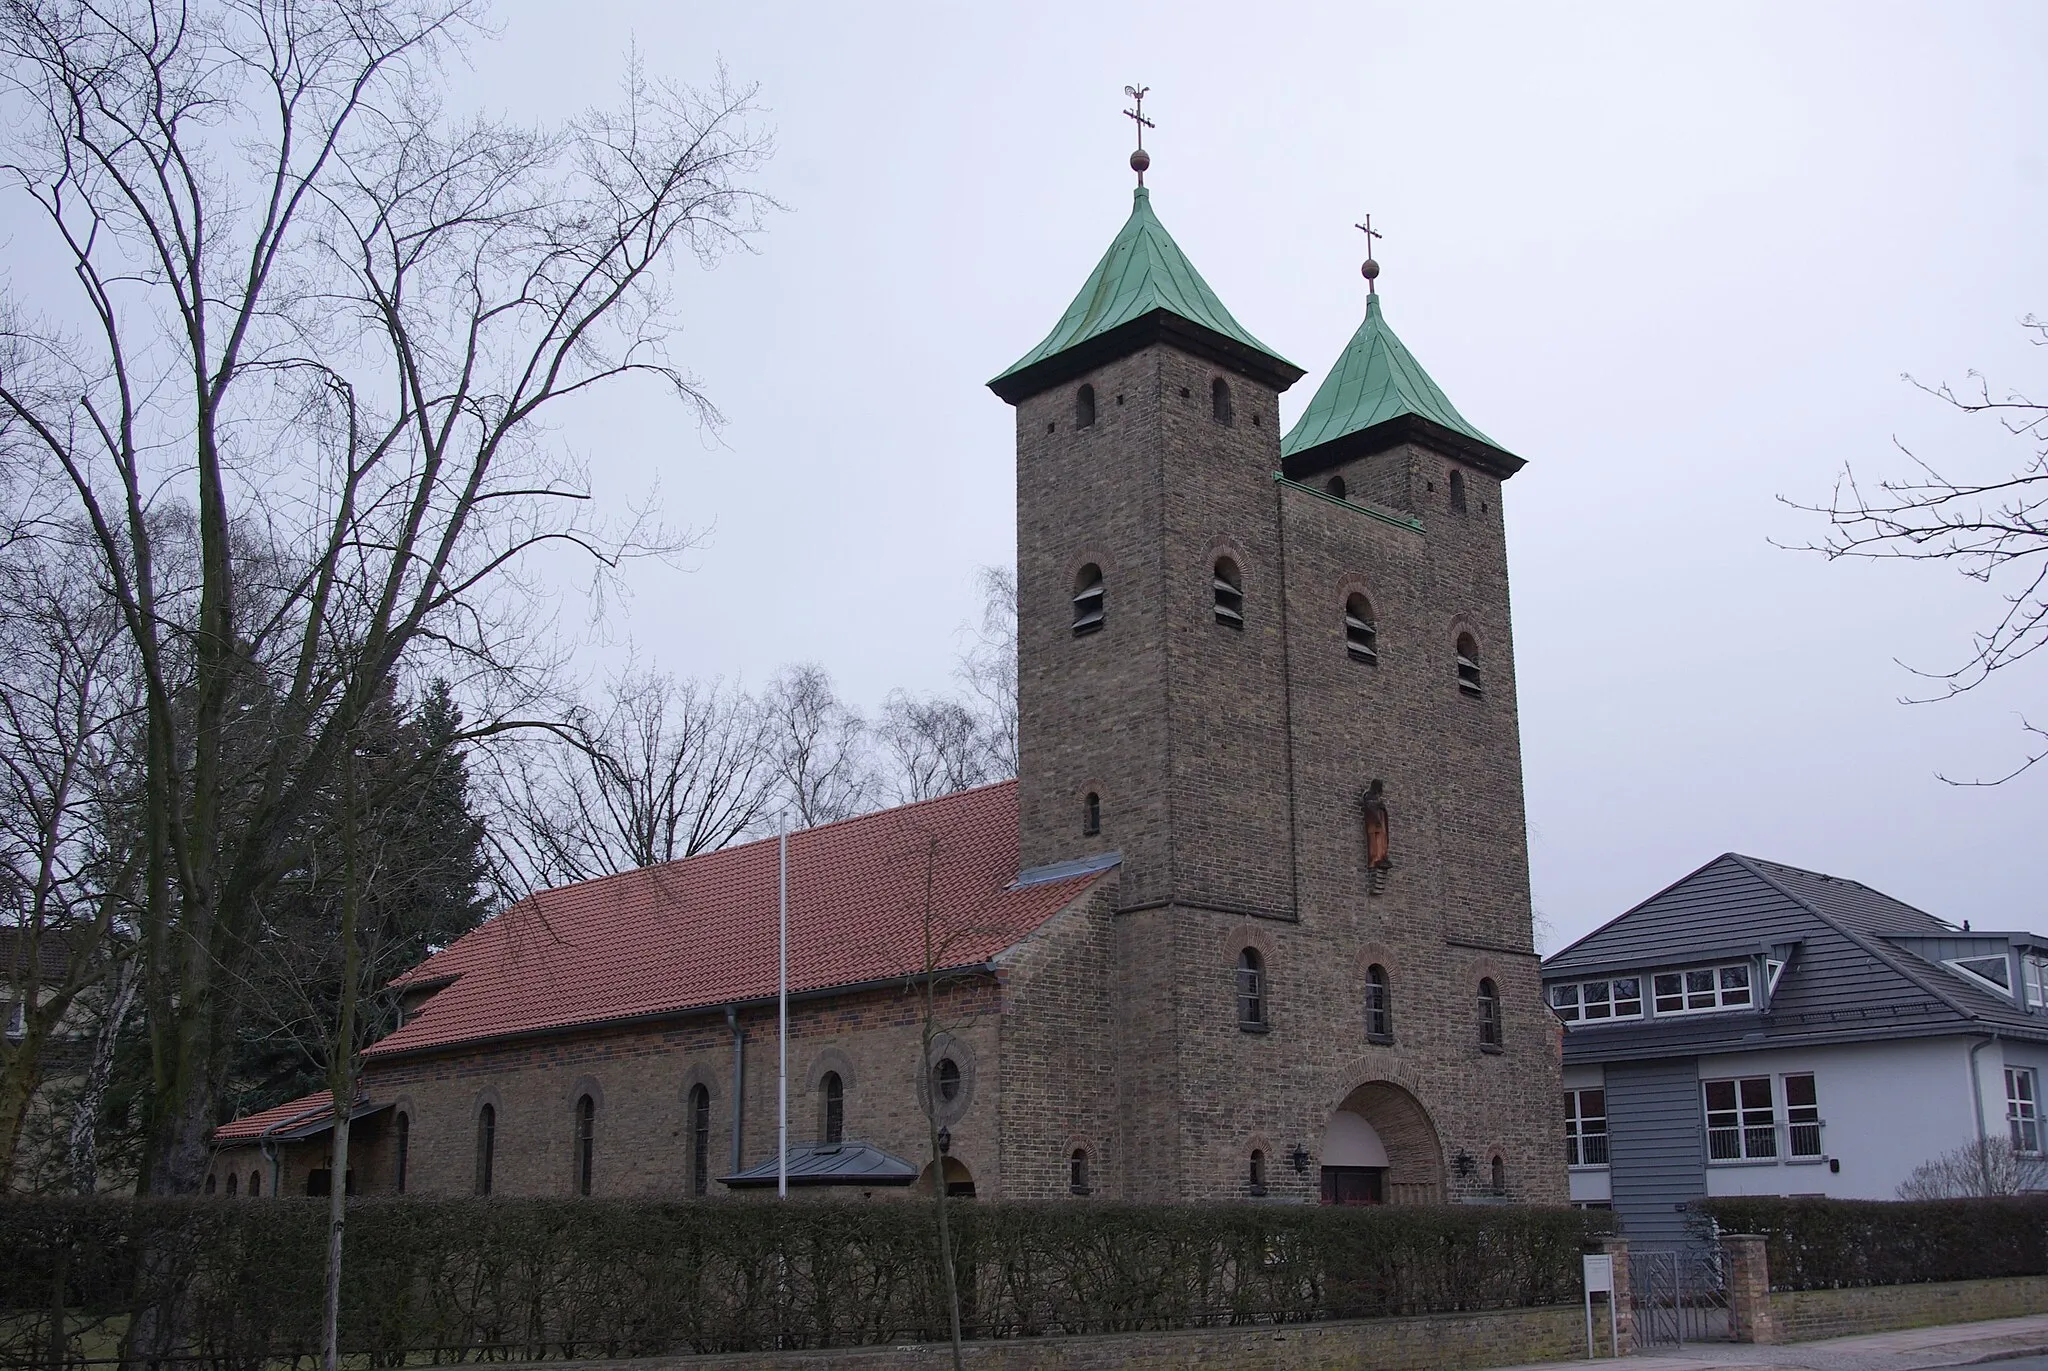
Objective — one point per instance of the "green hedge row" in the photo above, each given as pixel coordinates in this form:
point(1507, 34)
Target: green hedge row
point(464, 1280)
point(1829, 1244)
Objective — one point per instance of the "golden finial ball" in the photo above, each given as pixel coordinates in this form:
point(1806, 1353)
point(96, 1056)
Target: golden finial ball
point(1141, 161)
point(1370, 271)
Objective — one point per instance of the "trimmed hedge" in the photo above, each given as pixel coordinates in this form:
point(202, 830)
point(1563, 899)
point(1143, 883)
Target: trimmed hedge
point(463, 1280)
point(1829, 1244)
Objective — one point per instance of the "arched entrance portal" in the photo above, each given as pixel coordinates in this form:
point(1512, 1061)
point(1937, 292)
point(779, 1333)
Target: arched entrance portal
point(1381, 1148)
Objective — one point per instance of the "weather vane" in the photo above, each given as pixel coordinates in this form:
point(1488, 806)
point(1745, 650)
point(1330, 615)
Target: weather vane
point(1371, 270)
point(1139, 159)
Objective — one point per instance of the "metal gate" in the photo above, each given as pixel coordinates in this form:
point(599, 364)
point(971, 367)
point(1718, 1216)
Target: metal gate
point(1680, 1295)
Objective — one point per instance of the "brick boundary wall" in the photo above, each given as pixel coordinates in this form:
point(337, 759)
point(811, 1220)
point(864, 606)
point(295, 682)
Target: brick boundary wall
point(1802, 1315)
point(1424, 1343)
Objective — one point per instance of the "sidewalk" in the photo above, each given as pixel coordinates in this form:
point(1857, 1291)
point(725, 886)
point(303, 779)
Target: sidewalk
point(1915, 1349)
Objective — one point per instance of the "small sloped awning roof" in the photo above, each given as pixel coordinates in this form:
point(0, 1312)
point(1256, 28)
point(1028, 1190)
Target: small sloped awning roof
point(306, 1117)
point(841, 1163)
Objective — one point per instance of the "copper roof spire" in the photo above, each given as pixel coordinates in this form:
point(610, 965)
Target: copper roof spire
point(1139, 159)
point(1371, 269)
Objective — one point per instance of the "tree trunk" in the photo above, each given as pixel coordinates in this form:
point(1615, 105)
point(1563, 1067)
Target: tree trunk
point(341, 1067)
point(85, 1117)
point(21, 1069)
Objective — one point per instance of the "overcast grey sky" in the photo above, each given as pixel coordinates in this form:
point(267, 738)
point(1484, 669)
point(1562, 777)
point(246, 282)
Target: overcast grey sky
point(1677, 257)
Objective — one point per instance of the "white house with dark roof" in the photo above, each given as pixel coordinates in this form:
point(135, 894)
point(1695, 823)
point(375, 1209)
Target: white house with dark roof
point(1757, 1029)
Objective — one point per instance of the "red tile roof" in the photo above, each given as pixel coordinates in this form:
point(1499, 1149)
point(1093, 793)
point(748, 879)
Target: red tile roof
point(252, 1126)
point(702, 932)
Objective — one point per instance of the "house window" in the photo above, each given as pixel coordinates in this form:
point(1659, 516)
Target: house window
point(1228, 586)
point(1379, 1008)
point(1219, 401)
point(834, 1092)
point(1468, 664)
point(700, 1139)
point(1457, 492)
point(586, 1142)
point(946, 1080)
point(404, 1151)
point(2023, 1109)
point(1251, 990)
point(1256, 1181)
point(486, 1146)
point(1335, 486)
point(1361, 632)
point(1489, 1014)
point(1580, 1001)
point(2033, 976)
point(1091, 815)
point(1699, 989)
point(1084, 407)
point(1077, 1171)
point(1741, 1124)
point(1585, 1127)
point(1088, 600)
point(1802, 1118)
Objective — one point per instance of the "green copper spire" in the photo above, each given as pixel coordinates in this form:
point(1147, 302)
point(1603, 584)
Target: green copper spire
point(1377, 395)
point(1143, 286)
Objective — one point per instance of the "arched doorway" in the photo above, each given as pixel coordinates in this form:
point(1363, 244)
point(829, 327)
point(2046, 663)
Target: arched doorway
point(959, 1180)
point(1381, 1148)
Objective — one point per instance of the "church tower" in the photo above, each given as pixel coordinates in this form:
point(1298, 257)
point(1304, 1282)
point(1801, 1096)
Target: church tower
point(1225, 639)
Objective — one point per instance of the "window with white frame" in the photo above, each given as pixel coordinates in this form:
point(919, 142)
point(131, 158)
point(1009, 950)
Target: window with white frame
point(2023, 1109)
point(1742, 1125)
point(1585, 1001)
point(1698, 989)
point(2034, 977)
point(1802, 1118)
point(1585, 1127)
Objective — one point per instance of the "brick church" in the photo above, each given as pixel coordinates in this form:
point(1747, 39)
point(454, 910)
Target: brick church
point(1252, 922)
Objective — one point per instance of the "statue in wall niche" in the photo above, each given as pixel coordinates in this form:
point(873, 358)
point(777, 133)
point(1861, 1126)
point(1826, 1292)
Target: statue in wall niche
point(1374, 805)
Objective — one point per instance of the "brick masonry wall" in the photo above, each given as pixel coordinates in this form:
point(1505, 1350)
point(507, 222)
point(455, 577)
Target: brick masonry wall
point(1440, 1342)
point(1803, 1315)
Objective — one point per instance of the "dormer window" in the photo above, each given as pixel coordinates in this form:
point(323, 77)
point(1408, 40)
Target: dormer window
point(1361, 630)
point(1088, 599)
point(1619, 997)
point(1696, 990)
point(1991, 973)
point(1468, 664)
point(1228, 586)
point(1084, 407)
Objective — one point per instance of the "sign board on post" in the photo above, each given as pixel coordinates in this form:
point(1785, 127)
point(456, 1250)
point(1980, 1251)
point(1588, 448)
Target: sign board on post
point(1600, 1280)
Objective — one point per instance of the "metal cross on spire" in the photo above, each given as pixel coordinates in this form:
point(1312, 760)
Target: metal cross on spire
point(1371, 270)
point(1139, 159)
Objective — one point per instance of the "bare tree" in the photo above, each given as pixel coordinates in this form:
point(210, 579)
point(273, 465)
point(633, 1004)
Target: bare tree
point(330, 322)
point(663, 769)
point(819, 746)
point(934, 746)
point(989, 670)
point(1987, 1166)
point(1993, 530)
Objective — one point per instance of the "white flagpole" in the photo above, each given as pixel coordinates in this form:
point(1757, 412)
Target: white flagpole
point(782, 1064)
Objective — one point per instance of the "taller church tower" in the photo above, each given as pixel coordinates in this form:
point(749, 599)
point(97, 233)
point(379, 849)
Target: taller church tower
point(1226, 639)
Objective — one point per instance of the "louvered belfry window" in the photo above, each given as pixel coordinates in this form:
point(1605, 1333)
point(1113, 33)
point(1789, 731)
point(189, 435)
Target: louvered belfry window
point(1228, 587)
point(1088, 600)
point(1361, 631)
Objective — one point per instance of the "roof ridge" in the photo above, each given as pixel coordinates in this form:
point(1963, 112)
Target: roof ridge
point(1639, 904)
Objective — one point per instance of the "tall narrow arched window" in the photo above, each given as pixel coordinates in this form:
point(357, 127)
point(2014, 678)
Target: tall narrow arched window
point(1077, 1171)
point(1255, 1179)
point(1084, 407)
point(832, 1096)
point(586, 1143)
point(1335, 486)
point(1489, 1014)
point(1379, 1008)
point(255, 1184)
point(1228, 587)
point(486, 1146)
point(1458, 492)
point(404, 1150)
point(700, 1139)
point(210, 1185)
point(1088, 599)
point(232, 1178)
point(1219, 401)
point(1500, 1176)
point(1468, 664)
point(1361, 630)
point(1251, 989)
point(1091, 815)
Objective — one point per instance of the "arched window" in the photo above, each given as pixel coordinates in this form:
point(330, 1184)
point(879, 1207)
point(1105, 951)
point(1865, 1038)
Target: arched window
point(1084, 407)
point(255, 1184)
point(1091, 815)
point(1458, 492)
point(210, 1184)
point(1379, 1007)
point(946, 1080)
point(1489, 1013)
point(1256, 1180)
point(1228, 587)
point(586, 1142)
point(1335, 485)
point(700, 1139)
point(1088, 599)
point(1077, 1171)
point(1219, 401)
point(833, 1092)
point(1500, 1176)
point(1361, 630)
point(1251, 989)
point(404, 1150)
point(486, 1146)
point(1468, 664)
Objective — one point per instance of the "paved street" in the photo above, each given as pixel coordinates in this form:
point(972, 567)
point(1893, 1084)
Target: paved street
point(2014, 1344)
